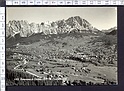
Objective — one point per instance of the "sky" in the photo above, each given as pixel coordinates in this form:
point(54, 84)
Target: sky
point(99, 17)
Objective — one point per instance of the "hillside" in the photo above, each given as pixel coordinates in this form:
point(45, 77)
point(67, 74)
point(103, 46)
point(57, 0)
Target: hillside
point(111, 31)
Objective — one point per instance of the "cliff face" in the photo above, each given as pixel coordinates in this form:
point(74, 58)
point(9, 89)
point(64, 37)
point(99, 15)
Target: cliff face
point(72, 24)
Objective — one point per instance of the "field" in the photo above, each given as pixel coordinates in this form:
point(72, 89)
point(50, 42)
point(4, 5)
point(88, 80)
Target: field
point(75, 58)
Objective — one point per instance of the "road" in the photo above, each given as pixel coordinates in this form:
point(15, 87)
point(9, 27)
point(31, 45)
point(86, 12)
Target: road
point(16, 68)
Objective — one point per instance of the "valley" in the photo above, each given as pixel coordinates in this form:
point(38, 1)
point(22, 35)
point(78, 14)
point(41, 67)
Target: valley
point(73, 58)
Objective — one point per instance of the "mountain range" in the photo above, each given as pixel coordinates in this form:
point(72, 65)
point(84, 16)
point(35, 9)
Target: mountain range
point(72, 24)
point(111, 31)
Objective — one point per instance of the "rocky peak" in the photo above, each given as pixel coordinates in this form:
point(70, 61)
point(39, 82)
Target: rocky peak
point(56, 27)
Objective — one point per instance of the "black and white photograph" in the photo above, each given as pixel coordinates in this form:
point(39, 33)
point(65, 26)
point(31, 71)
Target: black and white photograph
point(70, 46)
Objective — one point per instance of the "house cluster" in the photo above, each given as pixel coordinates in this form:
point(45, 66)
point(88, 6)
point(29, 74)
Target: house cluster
point(85, 57)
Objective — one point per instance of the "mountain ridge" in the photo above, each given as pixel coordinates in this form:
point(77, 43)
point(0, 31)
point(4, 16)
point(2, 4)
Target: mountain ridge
point(25, 29)
point(111, 31)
